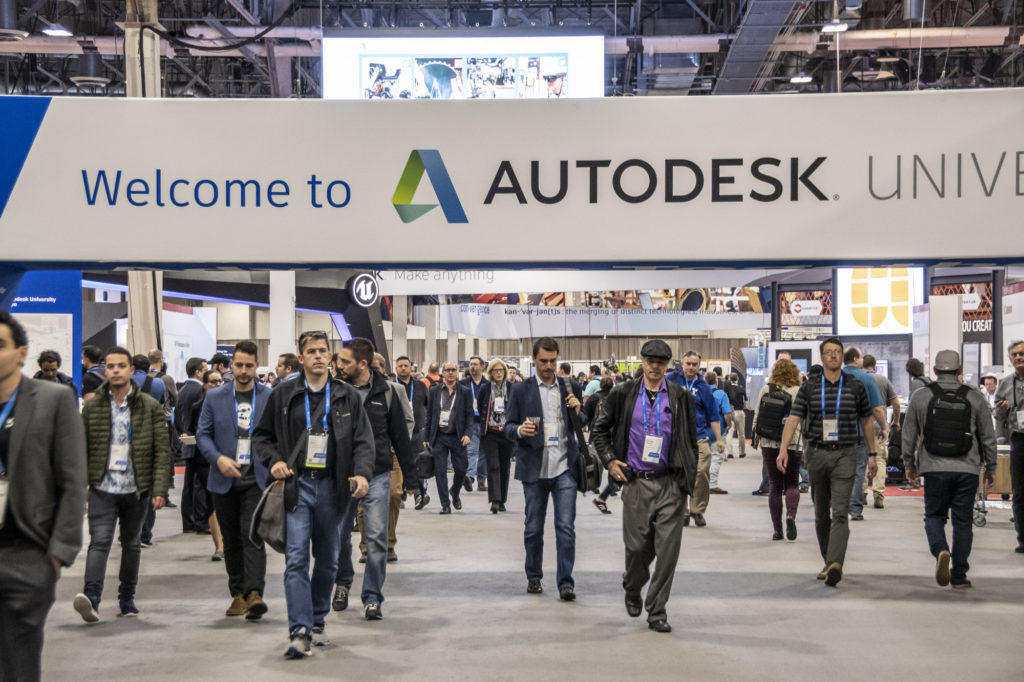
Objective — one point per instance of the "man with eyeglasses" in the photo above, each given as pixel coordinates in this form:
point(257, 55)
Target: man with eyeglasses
point(1010, 403)
point(832, 404)
point(314, 435)
point(449, 418)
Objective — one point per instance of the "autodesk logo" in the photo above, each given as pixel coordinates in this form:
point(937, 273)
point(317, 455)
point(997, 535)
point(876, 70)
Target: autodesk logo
point(428, 160)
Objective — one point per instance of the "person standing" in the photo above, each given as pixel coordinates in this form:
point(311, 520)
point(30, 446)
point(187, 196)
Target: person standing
point(708, 425)
point(832, 407)
point(890, 399)
point(546, 453)
point(314, 435)
point(449, 416)
point(235, 480)
point(958, 441)
point(128, 457)
point(724, 425)
point(767, 428)
point(497, 448)
point(1010, 404)
point(646, 436)
point(477, 469)
point(42, 490)
point(92, 370)
point(49, 370)
point(417, 393)
point(591, 407)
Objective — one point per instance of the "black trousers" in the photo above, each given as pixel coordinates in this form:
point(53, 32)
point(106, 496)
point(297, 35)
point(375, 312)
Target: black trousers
point(498, 451)
point(1017, 483)
point(448, 443)
point(28, 587)
point(245, 562)
point(196, 506)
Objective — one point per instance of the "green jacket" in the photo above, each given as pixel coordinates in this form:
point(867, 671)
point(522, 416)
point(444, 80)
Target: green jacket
point(150, 447)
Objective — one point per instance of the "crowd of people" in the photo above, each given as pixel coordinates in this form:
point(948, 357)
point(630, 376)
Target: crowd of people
point(346, 441)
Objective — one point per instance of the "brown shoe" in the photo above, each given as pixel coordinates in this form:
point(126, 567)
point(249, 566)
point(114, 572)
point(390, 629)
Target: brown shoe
point(879, 502)
point(255, 606)
point(238, 606)
point(823, 574)
point(718, 491)
point(833, 574)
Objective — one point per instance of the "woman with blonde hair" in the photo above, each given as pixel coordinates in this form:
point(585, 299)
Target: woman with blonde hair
point(492, 400)
point(785, 378)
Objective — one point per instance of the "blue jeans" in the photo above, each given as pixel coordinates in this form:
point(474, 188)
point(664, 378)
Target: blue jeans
point(477, 465)
point(950, 494)
point(562, 490)
point(105, 512)
point(375, 516)
point(315, 520)
point(857, 496)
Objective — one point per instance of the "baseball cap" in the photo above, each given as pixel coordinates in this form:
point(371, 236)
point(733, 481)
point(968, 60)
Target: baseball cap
point(656, 348)
point(947, 361)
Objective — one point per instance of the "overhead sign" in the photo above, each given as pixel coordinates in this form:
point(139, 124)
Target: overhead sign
point(877, 300)
point(515, 182)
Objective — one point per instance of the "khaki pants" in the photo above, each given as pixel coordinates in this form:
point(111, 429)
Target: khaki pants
point(739, 424)
point(701, 490)
point(394, 505)
point(878, 482)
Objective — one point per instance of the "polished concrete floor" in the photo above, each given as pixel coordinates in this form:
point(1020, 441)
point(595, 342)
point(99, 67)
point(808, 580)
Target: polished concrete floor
point(743, 607)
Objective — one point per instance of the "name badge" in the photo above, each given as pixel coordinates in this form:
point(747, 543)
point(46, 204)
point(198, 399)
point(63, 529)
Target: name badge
point(446, 416)
point(243, 452)
point(3, 498)
point(652, 449)
point(550, 434)
point(118, 460)
point(1020, 418)
point(499, 405)
point(830, 429)
point(475, 410)
point(316, 451)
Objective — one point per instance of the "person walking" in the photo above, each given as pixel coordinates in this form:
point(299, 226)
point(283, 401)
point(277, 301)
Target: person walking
point(494, 444)
point(771, 410)
point(449, 419)
point(1010, 404)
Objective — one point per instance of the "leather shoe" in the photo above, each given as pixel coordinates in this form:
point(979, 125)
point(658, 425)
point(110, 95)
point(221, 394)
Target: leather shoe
point(238, 606)
point(467, 483)
point(445, 510)
point(533, 586)
point(1019, 549)
point(718, 491)
point(686, 520)
point(699, 520)
point(255, 605)
point(833, 574)
point(659, 626)
point(566, 593)
point(634, 605)
point(457, 503)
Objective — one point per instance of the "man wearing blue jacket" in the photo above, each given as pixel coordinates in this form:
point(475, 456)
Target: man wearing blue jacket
point(546, 454)
point(237, 479)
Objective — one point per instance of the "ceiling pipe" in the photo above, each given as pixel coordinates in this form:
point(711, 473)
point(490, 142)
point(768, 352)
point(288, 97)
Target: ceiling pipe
point(9, 29)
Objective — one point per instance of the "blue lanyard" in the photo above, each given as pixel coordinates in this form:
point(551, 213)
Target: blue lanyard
point(839, 394)
point(472, 387)
point(690, 384)
point(5, 414)
point(657, 412)
point(252, 412)
point(412, 389)
point(327, 405)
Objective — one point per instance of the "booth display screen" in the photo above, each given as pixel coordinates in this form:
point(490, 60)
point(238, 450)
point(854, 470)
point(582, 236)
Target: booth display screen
point(877, 300)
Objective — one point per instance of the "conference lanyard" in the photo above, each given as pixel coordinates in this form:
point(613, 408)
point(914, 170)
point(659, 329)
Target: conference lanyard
point(472, 387)
point(3, 418)
point(657, 414)
point(327, 406)
point(839, 394)
point(690, 384)
point(412, 389)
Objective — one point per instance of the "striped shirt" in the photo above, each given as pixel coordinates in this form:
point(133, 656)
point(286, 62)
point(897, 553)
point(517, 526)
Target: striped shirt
point(852, 403)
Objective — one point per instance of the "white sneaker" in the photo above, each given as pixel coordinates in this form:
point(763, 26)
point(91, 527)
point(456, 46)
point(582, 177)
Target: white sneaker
point(85, 608)
point(299, 645)
point(319, 636)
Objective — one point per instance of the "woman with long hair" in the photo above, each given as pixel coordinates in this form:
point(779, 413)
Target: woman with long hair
point(493, 399)
point(786, 377)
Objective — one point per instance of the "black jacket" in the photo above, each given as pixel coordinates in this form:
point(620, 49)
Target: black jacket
point(471, 387)
point(419, 400)
point(389, 428)
point(186, 415)
point(593, 403)
point(273, 439)
point(486, 403)
point(462, 411)
point(610, 433)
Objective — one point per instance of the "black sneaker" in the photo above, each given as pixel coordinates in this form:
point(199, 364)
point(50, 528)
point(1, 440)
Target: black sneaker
point(698, 519)
point(659, 626)
point(634, 605)
point(566, 593)
point(456, 502)
point(482, 486)
point(127, 607)
point(300, 645)
point(533, 586)
point(804, 488)
point(340, 601)
point(362, 558)
point(392, 556)
point(965, 585)
point(422, 501)
point(371, 611)
point(467, 483)
point(791, 529)
point(501, 507)
point(445, 510)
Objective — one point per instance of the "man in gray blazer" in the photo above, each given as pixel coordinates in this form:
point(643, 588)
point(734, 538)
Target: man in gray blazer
point(42, 492)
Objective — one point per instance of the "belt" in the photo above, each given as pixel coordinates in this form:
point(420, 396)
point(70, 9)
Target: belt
point(821, 445)
point(650, 475)
point(316, 474)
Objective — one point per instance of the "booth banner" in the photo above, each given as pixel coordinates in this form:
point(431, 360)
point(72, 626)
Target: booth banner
point(733, 181)
point(976, 302)
point(513, 321)
point(805, 308)
point(49, 306)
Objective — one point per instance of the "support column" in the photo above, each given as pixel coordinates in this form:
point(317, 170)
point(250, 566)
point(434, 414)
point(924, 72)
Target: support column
point(142, 65)
point(481, 349)
point(282, 314)
point(430, 336)
point(998, 277)
point(776, 313)
point(145, 303)
point(453, 347)
point(399, 325)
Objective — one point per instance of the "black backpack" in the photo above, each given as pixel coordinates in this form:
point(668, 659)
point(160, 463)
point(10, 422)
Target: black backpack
point(947, 426)
point(772, 412)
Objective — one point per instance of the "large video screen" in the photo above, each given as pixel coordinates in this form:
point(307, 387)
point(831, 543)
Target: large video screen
point(878, 300)
point(463, 67)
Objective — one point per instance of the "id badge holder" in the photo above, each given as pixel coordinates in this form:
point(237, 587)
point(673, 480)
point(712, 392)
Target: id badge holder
point(476, 410)
point(118, 460)
point(499, 405)
point(652, 449)
point(550, 434)
point(3, 498)
point(243, 452)
point(316, 451)
point(1020, 418)
point(830, 430)
point(446, 416)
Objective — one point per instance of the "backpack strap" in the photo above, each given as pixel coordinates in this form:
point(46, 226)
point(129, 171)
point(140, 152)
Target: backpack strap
point(147, 384)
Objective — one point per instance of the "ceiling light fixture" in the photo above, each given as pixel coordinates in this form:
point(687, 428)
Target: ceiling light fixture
point(801, 78)
point(835, 26)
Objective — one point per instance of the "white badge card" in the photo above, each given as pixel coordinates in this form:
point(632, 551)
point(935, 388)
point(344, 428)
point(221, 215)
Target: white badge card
point(118, 460)
point(243, 452)
point(3, 499)
point(446, 416)
point(499, 404)
point(316, 451)
point(830, 429)
point(475, 409)
point(550, 434)
point(652, 449)
point(1020, 418)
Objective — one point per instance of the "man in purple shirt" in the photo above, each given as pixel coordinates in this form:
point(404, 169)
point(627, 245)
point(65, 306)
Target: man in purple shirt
point(646, 435)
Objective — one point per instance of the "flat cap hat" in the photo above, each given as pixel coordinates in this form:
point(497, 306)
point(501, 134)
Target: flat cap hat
point(947, 361)
point(656, 348)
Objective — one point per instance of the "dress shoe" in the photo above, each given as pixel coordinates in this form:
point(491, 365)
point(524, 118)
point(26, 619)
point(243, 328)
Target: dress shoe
point(170, 505)
point(718, 491)
point(659, 626)
point(362, 558)
point(392, 556)
point(1019, 549)
point(255, 605)
point(942, 568)
point(445, 510)
point(729, 457)
point(698, 519)
point(634, 605)
point(238, 606)
point(533, 586)
point(686, 520)
point(965, 585)
point(501, 507)
point(494, 507)
point(482, 487)
point(759, 493)
point(791, 529)
point(566, 593)
point(833, 574)
point(456, 502)
point(467, 483)
point(777, 535)
point(742, 455)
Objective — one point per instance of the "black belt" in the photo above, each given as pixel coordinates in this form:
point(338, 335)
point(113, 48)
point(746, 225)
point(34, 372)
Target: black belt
point(316, 474)
point(821, 445)
point(650, 475)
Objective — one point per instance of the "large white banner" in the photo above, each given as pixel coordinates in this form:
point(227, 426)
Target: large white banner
point(732, 181)
point(511, 321)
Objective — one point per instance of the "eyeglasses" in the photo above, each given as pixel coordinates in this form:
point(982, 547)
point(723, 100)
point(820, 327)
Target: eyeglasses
point(832, 352)
point(215, 382)
point(450, 369)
